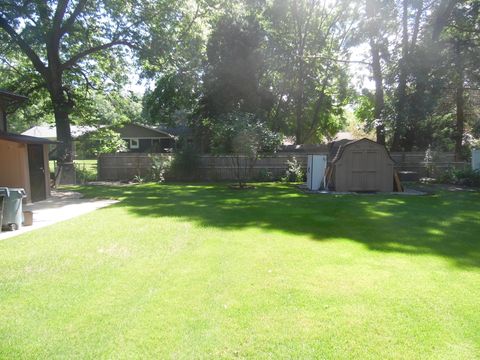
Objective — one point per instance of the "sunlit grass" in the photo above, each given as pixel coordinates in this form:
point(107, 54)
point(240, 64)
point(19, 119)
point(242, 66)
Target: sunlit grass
point(90, 165)
point(202, 271)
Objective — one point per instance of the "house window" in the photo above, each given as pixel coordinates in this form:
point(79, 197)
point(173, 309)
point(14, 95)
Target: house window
point(134, 144)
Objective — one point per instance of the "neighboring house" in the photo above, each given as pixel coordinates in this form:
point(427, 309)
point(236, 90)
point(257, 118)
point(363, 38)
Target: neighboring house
point(23, 159)
point(138, 138)
point(50, 132)
point(145, 139)
point(178, 131)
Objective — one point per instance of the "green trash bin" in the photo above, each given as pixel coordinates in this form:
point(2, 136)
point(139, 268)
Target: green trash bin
point(12, 207)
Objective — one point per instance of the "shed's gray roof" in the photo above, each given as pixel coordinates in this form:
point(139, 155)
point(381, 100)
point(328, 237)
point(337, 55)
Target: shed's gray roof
point(342, 148)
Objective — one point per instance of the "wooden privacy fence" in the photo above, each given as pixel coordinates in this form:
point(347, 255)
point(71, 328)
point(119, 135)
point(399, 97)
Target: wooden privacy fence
point(125, 166)
point(435, 166)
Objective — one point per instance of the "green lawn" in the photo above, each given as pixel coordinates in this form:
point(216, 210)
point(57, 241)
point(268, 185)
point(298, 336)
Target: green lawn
point(86, 169)
point(201, 271)
point(89, 165)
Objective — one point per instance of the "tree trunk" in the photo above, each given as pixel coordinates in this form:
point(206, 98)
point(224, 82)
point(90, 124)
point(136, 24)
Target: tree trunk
point(459, 101)
point(299, 98)
point(402, 84)
point(62, 106)
point(300, 89)
point(379, 97)
point(371, 8)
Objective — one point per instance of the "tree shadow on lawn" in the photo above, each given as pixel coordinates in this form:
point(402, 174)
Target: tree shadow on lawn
point(445, 225)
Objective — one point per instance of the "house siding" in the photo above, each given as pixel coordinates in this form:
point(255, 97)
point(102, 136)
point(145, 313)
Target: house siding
point(136, 131)
point(151, 145)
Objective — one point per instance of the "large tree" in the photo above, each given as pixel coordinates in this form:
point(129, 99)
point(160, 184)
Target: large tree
point(463, 35)
point(308, 51)
point(235, 68)
point(68, 40)
point(375, 25)
point(72, 43)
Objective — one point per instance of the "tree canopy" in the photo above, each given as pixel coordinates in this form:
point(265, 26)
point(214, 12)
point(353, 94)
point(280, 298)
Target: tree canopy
point(291, 64)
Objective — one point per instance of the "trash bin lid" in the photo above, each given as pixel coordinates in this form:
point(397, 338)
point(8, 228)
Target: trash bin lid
point(19, 191)
point(8, 190)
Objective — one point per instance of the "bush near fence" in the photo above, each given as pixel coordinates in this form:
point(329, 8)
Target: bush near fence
point(126, 166)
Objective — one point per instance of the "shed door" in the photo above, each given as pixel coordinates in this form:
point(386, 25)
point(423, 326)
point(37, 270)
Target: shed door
point(37, 172)
point(365, 172)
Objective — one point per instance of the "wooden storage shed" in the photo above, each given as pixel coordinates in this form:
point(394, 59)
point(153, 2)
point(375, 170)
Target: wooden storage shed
point(363, 166)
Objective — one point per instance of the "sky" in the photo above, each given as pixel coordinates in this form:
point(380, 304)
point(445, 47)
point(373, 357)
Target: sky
point(361, 73)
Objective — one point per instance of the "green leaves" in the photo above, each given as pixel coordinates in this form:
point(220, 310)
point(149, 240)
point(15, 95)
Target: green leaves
point(304, 42)
point(102, 141)
point(235, 70)
point(243, 134)
point(175, 95)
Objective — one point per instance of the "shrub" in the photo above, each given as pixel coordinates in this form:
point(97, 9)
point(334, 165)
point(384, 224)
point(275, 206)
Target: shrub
point(265, 175)
point(465, 177)
point(84, 174)
point(244, 136)
point(138, 179)
point(160, 167)
point(468, 177)
point(101, 141)
point(294, 172)
point(448, 177)
point(185, 164)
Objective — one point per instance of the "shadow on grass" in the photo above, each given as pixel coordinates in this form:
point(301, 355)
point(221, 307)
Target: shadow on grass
point(447, 224)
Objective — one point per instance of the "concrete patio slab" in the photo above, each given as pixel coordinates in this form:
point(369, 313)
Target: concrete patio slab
point(61, 206)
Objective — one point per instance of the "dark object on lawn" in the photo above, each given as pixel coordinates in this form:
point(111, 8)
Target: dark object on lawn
point(241, 187)
point(362, 166)
point(12, 207)
point(409, 176)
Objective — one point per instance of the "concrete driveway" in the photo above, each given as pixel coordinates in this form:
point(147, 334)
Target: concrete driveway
point(61, 206)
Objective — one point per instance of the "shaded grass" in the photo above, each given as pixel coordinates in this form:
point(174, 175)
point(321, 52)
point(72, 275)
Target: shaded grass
point(195, 271)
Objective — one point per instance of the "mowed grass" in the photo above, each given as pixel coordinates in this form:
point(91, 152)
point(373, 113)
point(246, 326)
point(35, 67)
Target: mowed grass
point(202, 271)
point(88, 165)
point(86, 170)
